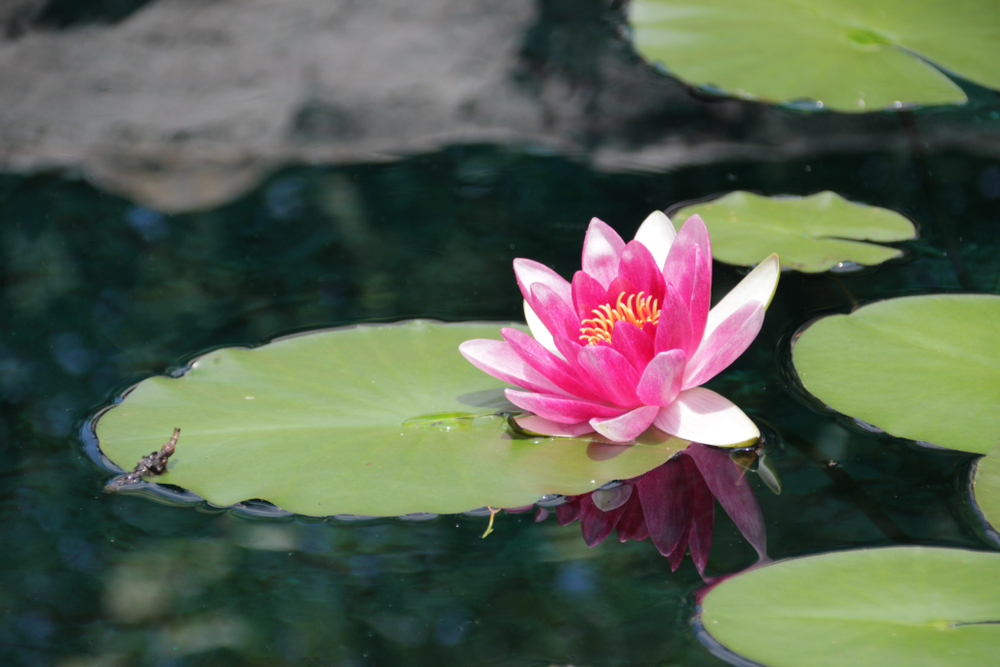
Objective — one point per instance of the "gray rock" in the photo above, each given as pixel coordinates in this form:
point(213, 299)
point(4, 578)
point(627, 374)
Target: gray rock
point(17, 16)
point(186, 104)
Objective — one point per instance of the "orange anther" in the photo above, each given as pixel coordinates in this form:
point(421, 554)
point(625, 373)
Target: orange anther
point(638, 309)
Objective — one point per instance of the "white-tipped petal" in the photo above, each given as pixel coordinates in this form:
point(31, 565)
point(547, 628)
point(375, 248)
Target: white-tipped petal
point(539, 332)
point(701, 415)
point(626, 427)
point(537, 424)
point(602, 252)
point(758, 286)
point(657, 233)
point(529, 272)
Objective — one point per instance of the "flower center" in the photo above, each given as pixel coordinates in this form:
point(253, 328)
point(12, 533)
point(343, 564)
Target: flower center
point(638, 309)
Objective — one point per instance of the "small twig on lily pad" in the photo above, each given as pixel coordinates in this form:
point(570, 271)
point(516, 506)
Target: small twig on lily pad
point(154, 464)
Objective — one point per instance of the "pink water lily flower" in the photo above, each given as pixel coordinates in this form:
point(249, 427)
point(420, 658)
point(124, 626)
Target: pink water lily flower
point(628, 343)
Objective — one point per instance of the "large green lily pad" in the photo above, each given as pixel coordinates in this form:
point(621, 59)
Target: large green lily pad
point(890, 607)
point(372, 420)
point(810, 234)
point(922, 367)
point(848, 55)
point(986, 487)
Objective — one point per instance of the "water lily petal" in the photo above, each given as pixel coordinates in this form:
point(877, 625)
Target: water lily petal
point(538, 330)
point(610, 373)
point(628, 426)
point(613, 498)
point(568, 349)
point(663, 492)
point(595, 524)
point(552, 366)
point(693, 282)
point(674, 330)
point(657, 233)
point(661, 381)
point(701, 292)
point(702, 512)
point(501, 361)
point(633, 343)
point(568, 512)
point(641, 531)
point(529, 272)
point(677, 555)
point(554, 312)
point(724, 344)
point(560, 409)
point(682, 262)
point(602, 250)
point(640, 268)
point(544, 426)
point(729, 484)
point(650, 330)
point(619, 286)
point(632, 524)
point(588, 294)
point(518, 510)
point(701, 415)
point(757, 287)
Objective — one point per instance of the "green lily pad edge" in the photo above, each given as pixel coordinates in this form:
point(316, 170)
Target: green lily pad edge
point(884, 607)
point(810, 55)
point(812, 234)
point(986, 490)
point(373, 420)
point(925, 368)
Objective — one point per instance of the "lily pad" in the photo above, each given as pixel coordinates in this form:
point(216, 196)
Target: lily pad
point(810, 234)
point(848, 55)
point(922, 367)
point(880, 607)
point(986, 487)
point(370, 420)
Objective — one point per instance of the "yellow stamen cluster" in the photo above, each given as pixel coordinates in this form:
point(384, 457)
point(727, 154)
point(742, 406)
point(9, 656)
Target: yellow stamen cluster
point(638, 309)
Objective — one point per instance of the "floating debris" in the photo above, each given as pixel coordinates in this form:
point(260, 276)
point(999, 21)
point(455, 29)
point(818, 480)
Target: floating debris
point(154, 464)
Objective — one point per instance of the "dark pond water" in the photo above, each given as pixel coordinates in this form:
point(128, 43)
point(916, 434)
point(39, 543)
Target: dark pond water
point(99, 293)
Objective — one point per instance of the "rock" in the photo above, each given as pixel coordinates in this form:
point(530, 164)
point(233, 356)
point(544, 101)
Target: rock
point(186, 104)
point(17, 16)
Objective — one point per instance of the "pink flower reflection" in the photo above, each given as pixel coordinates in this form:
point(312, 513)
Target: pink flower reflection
point(673, 505)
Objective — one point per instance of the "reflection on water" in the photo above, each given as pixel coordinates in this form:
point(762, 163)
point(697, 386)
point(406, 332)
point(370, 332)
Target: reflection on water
point(673, 505)
point(97, 295)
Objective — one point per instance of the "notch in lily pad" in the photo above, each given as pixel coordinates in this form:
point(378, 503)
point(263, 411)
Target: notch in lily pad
point(372, 420)
point(810, 234)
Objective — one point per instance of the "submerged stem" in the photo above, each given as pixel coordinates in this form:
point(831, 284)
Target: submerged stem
point(489, 528)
